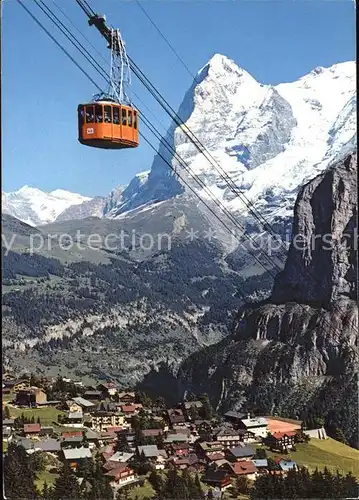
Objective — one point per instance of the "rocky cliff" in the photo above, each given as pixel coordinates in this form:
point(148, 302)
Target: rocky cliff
point(296, 353)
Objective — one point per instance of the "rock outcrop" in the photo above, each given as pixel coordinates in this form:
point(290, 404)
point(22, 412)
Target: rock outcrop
point(296, 353)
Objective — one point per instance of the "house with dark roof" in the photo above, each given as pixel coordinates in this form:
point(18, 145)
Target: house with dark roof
point(121, 475)
point(234, 417)
point(240, 452)
point(93, 395)
point(228, 437)
point(30, 397)
point(218, 478)
point(175, 416)
point(107, 389)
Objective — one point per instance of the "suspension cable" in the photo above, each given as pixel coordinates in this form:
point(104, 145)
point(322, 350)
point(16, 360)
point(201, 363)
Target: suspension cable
point(166, 161)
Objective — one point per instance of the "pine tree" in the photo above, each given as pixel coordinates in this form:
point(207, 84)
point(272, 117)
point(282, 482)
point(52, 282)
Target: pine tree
point(66, 485)
point(156, 481)
point(18, 475)
point(7, 412)
point(122, 444)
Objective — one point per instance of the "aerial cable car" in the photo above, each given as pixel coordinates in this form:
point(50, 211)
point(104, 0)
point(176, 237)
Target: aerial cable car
point(110, 121)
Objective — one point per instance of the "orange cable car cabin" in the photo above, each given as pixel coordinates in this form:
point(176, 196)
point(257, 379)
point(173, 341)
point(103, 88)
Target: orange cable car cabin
point(108, 125)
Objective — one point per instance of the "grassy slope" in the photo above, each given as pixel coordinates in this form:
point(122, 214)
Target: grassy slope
point(326, 453)
point(47, 415)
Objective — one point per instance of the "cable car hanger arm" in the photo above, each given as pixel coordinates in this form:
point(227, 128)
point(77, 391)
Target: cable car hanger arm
point(96, 20)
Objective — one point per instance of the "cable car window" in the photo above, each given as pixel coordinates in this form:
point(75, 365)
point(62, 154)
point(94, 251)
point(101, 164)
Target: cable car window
point(98, 114)
point(130, 118)
point(81, 116)
point(90, 117)
point(124, 117)
point(116, 115)
point(135, 119)
point(108, 118)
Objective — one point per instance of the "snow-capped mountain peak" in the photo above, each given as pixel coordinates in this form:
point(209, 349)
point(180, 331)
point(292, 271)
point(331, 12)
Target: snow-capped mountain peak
point(268, 139)
point(36, 207)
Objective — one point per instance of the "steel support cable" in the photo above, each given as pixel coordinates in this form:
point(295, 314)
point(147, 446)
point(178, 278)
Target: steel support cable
point(166, 161)
point(100, 68)
point(58, 44)
point(266, 226)
point(235, 189)
point(198, 144)
point(102, 73)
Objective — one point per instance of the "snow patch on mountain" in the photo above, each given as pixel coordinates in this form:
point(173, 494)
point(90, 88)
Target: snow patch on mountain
point(36, 207)
point(268, 139)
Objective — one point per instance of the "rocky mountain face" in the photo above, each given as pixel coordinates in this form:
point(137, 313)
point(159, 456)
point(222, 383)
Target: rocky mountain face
point(296, 353)
point(120, 310)
point(106, 311)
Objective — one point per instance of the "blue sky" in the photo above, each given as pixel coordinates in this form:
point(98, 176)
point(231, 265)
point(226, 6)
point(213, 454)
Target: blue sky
point(275, 41)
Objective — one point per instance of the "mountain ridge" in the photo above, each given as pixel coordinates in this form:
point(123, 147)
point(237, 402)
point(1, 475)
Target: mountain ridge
point(257, 133)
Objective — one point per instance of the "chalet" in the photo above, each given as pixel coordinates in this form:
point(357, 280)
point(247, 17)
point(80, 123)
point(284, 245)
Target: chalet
point(219, 478)
point(120, 456)
point(215, 457)
point(210, 447)
point(176, 438)
point(74, 419)
point(152, 453)
point(180, 450)
point(234, 417)
point(152, 432)
point(76, 455)
point(7, 435)
point(107, 389)
point(240, 452)
point(6, 391)
point(190, 461)
point(93, 395)
point(30, 397)
point(121, 475)
point(281, 440)
point(31, 430)
point(242, 468)
point(175, 416)
point(261, 464)
point(72, 406)
point(84, 404)
point(49, 446)
point(92, 438)
point(257, 425)
point(72, 442)
point(46, 430)
point(228, 437)
point(103, 420)
point(16, 385)
point(129, 410)
point(127, 397)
